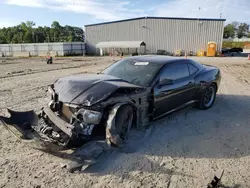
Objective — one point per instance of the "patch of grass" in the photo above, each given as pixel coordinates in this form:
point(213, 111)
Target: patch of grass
point(228, 44)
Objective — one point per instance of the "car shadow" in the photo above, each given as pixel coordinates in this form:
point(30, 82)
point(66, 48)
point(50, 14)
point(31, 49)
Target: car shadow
point(197, 133)
point(221, 132)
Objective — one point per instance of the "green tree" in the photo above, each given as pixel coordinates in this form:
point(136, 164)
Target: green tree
point(55, 25)
point(23, 27)
point(40, 35)
point(26, 32)
point(229, 31)
point(16, 39)
point(28, 38)
point(243, 30)
point(2, 40)
point(9, 35)
point(30, 24)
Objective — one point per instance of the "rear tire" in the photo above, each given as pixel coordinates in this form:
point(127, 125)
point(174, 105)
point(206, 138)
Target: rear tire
point(207, 98)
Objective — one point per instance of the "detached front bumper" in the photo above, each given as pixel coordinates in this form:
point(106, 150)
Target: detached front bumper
point(33, 129)
point(20, 124)
point(46, 126)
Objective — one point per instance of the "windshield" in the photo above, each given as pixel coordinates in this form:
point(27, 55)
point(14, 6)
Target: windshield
point(135, 72)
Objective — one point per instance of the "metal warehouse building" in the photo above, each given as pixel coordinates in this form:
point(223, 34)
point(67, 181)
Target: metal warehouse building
point(155, 33)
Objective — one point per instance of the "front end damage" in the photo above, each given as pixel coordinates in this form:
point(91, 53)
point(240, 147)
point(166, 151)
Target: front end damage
point(61, 125)
point(58, 123)
point(48, 127)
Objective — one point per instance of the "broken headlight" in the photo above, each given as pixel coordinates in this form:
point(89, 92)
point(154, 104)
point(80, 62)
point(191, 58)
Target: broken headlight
point(89, 117)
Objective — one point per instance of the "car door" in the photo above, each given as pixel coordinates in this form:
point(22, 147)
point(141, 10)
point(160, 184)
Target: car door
point(175, 93)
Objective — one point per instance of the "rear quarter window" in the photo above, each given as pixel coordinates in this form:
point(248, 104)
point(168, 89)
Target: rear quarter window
point(175, 72)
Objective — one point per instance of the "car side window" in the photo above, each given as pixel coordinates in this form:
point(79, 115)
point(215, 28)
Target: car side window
point(192, 69)
point(175, 72)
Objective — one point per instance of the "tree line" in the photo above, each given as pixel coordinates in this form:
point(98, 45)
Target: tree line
point(236, 29)
point(26, 32)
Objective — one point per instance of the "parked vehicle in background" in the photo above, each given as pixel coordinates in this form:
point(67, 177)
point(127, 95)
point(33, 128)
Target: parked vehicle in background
point(161, 52)
point(164, 52)
point(232, 50)
point(238, 50)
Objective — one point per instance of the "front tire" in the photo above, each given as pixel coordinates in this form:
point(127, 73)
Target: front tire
point(123, 124)
point(207, 98)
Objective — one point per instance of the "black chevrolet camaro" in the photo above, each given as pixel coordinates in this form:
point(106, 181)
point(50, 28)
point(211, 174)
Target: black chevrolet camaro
point(133, 91)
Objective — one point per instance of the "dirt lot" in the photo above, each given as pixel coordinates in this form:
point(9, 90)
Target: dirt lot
point(185, 149)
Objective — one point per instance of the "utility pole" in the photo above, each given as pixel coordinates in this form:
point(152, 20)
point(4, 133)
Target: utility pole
point(221, 10)
point(199, 8)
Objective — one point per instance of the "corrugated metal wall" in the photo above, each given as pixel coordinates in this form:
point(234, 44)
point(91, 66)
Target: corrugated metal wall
point(159, 34)
point(42, 49)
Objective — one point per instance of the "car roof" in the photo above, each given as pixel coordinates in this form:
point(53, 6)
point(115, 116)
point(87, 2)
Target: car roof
point(159, 59)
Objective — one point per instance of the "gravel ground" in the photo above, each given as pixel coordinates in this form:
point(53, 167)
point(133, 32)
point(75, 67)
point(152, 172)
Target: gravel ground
point(185, 149)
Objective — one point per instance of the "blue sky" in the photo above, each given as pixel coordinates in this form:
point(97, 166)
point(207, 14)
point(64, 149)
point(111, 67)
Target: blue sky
point(82, 12)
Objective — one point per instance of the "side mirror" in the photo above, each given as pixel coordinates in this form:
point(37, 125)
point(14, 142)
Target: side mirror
point(166, 82)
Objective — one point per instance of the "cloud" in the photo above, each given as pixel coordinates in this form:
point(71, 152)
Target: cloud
point(230, 9)
point(110, 10)
point(27, 3)
point(103, 10)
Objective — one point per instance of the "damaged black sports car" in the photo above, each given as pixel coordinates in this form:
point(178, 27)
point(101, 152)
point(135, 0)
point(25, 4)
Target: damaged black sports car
point(134, 91)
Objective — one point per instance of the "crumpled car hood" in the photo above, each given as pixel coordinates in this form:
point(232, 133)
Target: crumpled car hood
point(88, 89)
